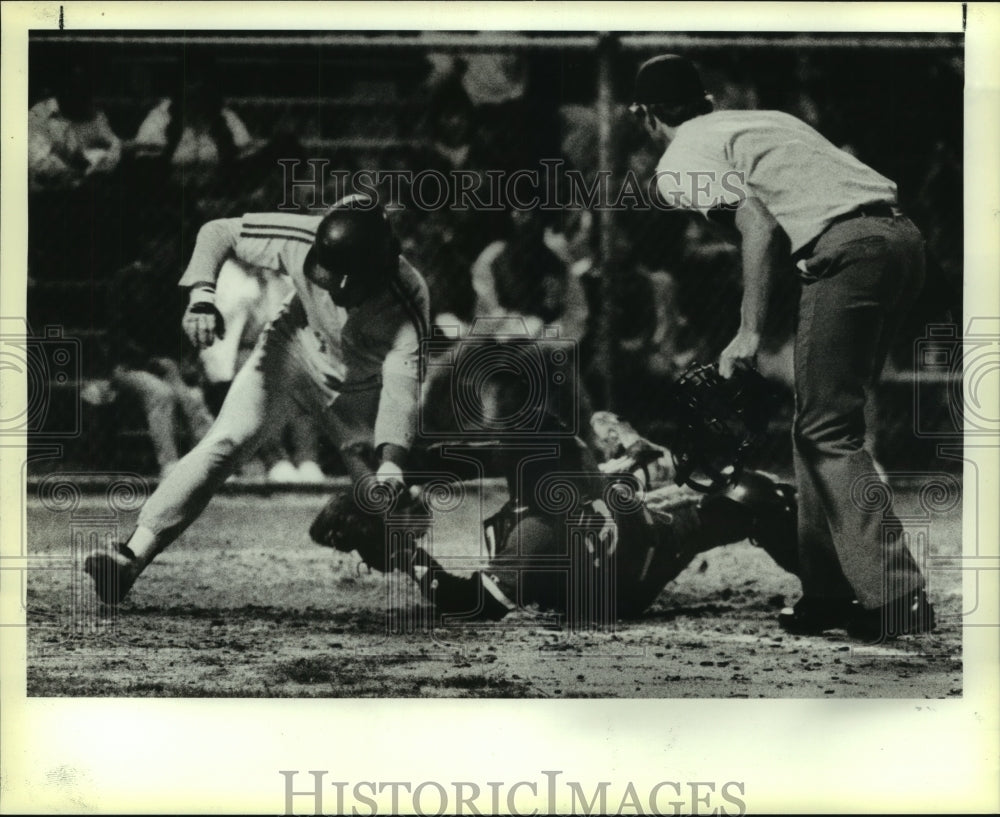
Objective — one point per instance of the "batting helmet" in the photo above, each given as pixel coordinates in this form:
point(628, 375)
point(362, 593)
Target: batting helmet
point(355, 251)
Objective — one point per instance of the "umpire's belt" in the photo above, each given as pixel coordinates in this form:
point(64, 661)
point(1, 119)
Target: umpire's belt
point(881, 209)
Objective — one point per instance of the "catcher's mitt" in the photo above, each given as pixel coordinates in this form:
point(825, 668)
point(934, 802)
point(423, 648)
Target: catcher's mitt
point(720, 423)
point(381, 521)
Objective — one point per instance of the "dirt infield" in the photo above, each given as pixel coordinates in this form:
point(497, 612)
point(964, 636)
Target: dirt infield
point(245, 606)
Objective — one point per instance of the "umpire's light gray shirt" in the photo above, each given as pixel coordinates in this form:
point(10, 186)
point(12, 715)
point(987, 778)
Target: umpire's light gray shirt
point(721, 158)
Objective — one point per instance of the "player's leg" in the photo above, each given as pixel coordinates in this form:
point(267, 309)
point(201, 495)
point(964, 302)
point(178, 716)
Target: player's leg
point(657, 542)
point(256, 398)
point(544, 560)
point(530, 563)
point(475, 597)
point(846, 321)
point(656, 547)
point(827, 595)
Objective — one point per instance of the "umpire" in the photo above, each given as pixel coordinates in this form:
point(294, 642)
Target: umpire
point(790, 192)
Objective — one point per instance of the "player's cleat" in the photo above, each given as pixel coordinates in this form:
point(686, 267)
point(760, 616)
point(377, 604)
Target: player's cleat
point(907, 615)
point(812, 616)
point(495, 603)
point(114, 571)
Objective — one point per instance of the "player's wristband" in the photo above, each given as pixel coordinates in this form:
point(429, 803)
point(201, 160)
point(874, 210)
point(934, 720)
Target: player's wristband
point(202, 292)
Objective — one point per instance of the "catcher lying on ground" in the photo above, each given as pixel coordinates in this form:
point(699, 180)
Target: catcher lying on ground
point(591, 542)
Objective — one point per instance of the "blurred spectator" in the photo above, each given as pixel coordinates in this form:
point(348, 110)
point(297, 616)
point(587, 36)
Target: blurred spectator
point(647, 327)
point(74, 179)
point(444, 243)
point(467, 132)
point(174, 407)
point(489, 78)
point(494, 86)
point(193, 142)
point(450, 123)
point(69, 137)
point(522, 284)
point(521, 276)
point(151, 368)
point(709, 289)
point(291, 453)
point(191, 128)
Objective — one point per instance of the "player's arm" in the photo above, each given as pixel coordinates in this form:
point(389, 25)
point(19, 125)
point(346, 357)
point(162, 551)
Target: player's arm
point(396, 421)
point(216, 241)
point(594, 485)
point(764, 247)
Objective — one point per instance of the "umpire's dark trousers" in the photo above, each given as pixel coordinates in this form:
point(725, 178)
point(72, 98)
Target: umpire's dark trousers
point(858, 281)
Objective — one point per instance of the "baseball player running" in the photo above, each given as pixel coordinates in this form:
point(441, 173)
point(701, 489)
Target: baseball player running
point(794, 198)
point(353, 326)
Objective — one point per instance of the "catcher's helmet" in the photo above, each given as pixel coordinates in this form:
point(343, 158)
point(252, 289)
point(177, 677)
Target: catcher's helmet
point(719, 424)
point(354, 252)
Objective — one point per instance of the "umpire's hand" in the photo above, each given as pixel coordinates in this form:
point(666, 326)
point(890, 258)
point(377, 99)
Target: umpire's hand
point(203, 322)
point(741, 351)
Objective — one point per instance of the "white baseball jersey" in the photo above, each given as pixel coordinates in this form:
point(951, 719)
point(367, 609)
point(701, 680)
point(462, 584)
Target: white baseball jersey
point(374, 346)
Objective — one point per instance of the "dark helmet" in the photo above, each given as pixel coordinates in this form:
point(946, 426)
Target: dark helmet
point(669, 80)
point(355, 251)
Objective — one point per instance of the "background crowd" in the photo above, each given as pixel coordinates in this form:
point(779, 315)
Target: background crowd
point(133, 146)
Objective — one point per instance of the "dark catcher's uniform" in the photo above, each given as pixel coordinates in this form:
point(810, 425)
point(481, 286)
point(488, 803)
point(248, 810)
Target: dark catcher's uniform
point(545, 543)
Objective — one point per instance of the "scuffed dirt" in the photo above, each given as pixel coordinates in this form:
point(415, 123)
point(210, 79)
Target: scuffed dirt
point(245, 606)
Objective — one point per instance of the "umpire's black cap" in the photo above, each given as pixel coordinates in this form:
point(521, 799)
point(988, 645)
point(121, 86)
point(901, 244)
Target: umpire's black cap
point(668, 79)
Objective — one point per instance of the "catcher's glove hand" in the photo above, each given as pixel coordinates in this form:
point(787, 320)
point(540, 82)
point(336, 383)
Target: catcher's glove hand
point(381, 521)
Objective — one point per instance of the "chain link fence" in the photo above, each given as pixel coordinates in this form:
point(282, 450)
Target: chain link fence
point(292, 122)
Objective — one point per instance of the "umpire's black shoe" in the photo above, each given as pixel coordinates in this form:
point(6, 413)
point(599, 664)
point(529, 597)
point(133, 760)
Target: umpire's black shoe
point(812, 616)
point(907, 615)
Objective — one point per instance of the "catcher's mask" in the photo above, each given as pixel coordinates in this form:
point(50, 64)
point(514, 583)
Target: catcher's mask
point(355, 251)
point(720, 424)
